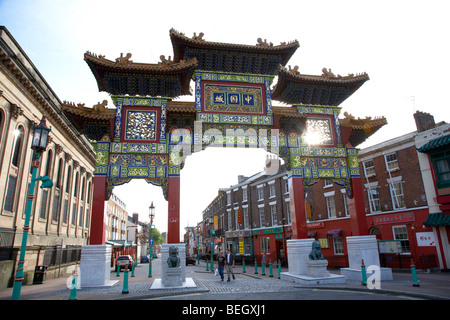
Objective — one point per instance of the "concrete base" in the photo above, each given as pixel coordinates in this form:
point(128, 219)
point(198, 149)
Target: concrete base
point(172, 278)
point(356, 274)
point(363, 248)
point(309, 281)
point(157, 284)
point(317, 268)
point(95, 268)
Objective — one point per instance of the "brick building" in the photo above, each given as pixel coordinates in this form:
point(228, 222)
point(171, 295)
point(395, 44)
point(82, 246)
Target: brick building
point(253, 217)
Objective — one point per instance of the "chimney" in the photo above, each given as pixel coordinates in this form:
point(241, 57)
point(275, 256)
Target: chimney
point(242, 178)
point(135, 218)
point(424, 121)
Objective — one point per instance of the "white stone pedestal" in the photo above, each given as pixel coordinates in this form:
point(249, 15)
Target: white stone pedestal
point(363, 248)
point(95, 267)
point(317, 268)
point(298, 251)
point(299, 271)
point(172, 278)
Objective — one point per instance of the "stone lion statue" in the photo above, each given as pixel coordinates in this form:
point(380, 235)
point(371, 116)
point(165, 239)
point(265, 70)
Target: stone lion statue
point(315, 253)
point(173, 260)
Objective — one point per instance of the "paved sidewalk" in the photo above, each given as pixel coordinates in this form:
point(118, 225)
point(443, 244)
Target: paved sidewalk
point(432, 285)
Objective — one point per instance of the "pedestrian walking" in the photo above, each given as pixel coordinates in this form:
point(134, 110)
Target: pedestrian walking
point(220, 264)
point(230, 264)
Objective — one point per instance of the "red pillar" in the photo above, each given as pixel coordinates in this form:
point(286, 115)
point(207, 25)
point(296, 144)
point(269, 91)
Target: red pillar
point(358, 220)
point(98, 211)
point(298, 209)
point(173, 228)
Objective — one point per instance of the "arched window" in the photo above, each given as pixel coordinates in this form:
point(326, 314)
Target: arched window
point(57, 195)
point(66, 197)
point(1, 125)
point(15, 161)
point(75, 194)
point(45, 192)
point(18, 139)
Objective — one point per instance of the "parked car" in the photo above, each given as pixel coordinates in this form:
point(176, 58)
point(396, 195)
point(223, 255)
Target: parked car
point(190, 260)
point(145, 259)
point(122, 261)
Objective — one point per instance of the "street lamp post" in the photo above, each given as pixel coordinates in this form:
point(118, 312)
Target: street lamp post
point(38, 145)
point(150, 240)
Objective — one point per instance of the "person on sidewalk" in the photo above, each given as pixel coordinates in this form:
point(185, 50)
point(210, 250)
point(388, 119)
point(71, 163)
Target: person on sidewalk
point(220, 264)
point(230, 264)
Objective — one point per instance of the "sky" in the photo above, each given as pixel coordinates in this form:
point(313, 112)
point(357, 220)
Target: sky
point(402, 45)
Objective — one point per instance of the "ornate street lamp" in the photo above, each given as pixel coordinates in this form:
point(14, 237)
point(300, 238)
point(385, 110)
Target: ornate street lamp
point(38, 144)
point(151, 214)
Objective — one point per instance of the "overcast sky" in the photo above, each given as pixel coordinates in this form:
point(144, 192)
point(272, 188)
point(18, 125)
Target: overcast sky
point(402, 45)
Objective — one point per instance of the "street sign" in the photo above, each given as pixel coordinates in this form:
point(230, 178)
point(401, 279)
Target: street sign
point(150, 241)
point(390, 246)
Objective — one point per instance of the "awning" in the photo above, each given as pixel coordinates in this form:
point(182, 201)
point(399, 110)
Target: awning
point(435, 143)
point(312, 234)
point(437, 219)
point(335, 233)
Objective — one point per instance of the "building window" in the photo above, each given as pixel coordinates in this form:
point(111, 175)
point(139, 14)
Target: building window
point(273, 214)
point(331, 206)
point(265, 245)
point(45, 192)
point(260, 190)
point(373, 195)
point(338, 245)
point(398, 200)
point(286, 185)
point(369, 169)
point(244, 194)
point(288, 212)
point(245, 212)
point(262, 220)
point(17, 146)
point(441, 163)
point(229, 198)
point(391, 162)
point(272, 189)
point(327, 183)
point(400, 233)
point(229, 220)
point(345, 199)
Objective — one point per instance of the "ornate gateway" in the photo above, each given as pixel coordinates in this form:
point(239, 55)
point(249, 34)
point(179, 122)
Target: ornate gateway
point(149, 136)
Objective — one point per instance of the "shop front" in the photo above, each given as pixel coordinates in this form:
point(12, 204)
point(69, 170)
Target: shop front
point(240, 243)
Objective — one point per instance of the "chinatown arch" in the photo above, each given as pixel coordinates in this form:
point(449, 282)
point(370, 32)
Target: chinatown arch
point(149, 136)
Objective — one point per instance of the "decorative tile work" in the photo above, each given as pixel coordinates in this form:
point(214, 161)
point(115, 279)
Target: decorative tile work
point(141, 125)
point(233, 98)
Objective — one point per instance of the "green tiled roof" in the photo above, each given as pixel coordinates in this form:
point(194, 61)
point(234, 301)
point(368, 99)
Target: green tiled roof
point(437, 219)
point(435, 143)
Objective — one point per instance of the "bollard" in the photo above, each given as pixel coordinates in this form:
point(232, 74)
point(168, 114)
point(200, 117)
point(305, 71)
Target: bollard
point(243, 265)
point(279, 269)
point(270, 268)
point(207, 265)
point(125, 281)
point(256, 267)
point(363, 273)
point(414, 275)
point(263, 269)
point(118, 271)
point(132, 270)
point(73, 290)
